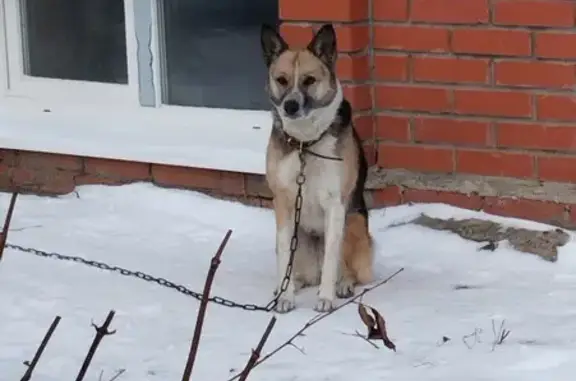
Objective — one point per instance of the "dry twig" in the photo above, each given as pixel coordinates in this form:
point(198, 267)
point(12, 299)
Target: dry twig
point(358, 334)
point(100, 333)
point(499, 336)
point(31, 365)
point(116, 375)
point(4, 232)
point(319, 318)
point(214, 263)
point(256, 352)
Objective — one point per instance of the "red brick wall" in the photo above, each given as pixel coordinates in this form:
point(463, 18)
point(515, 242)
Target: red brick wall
point(476, 86)
point(50, 174)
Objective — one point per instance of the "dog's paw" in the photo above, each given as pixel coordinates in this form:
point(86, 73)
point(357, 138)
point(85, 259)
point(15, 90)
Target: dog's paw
point(345, 289)
point(323, 305)
point(285, 305)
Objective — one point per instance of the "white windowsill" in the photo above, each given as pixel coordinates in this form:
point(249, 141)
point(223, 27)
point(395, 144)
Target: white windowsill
point(169, 136)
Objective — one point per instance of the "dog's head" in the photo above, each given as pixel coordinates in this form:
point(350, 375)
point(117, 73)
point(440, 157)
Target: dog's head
point(301, 82)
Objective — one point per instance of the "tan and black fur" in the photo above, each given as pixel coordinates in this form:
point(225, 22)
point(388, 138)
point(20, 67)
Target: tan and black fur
point(335, 246)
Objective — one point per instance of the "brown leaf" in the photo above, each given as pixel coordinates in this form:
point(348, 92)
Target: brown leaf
point(376, 326)
point(381, 327)
point(366, 318)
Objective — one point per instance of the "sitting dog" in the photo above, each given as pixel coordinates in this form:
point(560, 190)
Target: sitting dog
point(313, 119)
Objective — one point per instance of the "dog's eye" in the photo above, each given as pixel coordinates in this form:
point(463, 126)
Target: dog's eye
point(282, 81)
point(309, 81)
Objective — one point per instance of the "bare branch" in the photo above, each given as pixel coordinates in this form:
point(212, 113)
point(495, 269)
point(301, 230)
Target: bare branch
point(319, 318)
point(214, 263)
point(256, 353)
point(38, 354)
point(6, 228)
point(358, 334)
point(100, 333)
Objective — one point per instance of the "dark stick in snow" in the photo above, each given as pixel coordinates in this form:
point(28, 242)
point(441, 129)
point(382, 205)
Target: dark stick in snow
point(4, 232)
point(100, 333)
point(38, 354)
point(258, 351)
point(317, 319)
point(214, 263)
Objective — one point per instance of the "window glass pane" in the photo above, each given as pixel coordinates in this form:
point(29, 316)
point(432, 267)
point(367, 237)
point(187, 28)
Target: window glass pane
point(75, 39)
point(212, 52)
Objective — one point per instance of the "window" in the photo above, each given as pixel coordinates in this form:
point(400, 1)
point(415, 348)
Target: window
point(192, 62)
point(212, 52)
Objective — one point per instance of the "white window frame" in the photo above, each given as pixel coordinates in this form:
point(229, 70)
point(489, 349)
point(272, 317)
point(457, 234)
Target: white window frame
point(177, 135)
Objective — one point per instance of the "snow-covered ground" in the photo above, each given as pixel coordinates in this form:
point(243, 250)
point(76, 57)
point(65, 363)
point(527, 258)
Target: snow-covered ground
point(173, 234)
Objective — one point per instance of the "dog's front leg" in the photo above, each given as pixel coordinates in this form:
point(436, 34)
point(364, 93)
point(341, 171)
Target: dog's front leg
point(334, 226)
point(284, 233)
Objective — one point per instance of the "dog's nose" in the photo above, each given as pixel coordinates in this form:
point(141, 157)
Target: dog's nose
point(291, 107)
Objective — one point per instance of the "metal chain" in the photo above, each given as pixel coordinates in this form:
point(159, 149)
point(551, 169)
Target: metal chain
point(180, 288)
point(300, 179)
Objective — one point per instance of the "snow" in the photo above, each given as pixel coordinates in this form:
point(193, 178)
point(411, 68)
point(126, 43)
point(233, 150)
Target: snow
point(185, 136)
point(174, 233)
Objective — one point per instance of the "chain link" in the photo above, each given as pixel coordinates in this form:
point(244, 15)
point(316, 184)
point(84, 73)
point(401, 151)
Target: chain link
point(300, 179)
point(182, 289)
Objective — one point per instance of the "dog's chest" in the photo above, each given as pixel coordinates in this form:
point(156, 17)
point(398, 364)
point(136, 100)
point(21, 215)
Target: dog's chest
point(322, 186)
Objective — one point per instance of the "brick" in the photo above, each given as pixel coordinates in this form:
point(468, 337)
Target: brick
point(412, 98)
point(535, 74)
point(324, 10)
point(415, 157)
point(492, 42)
point(116, 169)
point(256, 185)
point(393, 128)
point(185, 177)
point(359, 96)
point(390, 10)
point(5, 180)
point(411, 38)
point(451, 131)
point(535, 136)
point(349, 68)
point(389, 196)
point(461, 200)
point(450, 70)
point(43, 181)
point(232, 183)
point(494, 163)
point(551, 13)
point(492, 103)
point(450, 11)
point(8, 158)
point(391, 67)
point(555, 45)
point(370, 153)
point(556, 107)
point(364, 126)
point(557, 168)
point(536, 210)
point(350, 38)
point(49, 161)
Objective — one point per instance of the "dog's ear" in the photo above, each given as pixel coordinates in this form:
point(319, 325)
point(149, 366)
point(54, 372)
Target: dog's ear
point(323, 45)
point(272, 44)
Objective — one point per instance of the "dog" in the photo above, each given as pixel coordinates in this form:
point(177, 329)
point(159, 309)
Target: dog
point(310, 113)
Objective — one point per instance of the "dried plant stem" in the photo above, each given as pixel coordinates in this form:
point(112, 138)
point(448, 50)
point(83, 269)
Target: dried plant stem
point(214, 263)
point(4, 232)
point(100, 333)
point(256, 352)
point(28, 375)
point(319, 318)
